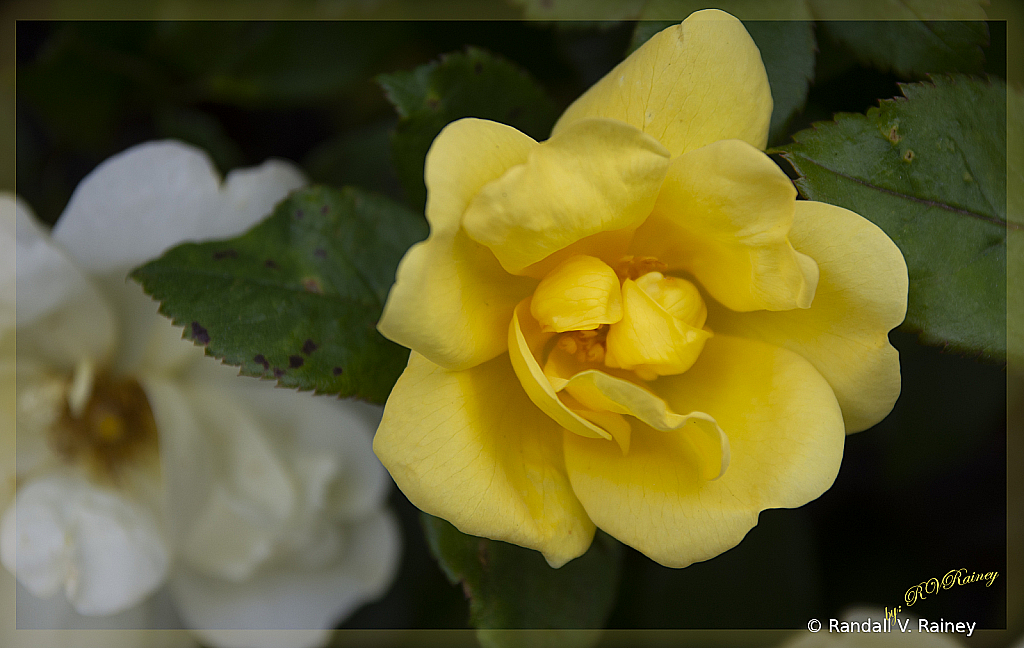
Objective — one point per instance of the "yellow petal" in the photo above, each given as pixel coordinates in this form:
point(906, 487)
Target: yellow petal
point(452, 301)
point(785, 441)
point(688, 86)
point(724, 215)
point(469, 447)
point(650, 340)
point(525, 342)
point(595, 176)
point(601, 392)
point(680, 298)
point(862, 294)
point(581, 293)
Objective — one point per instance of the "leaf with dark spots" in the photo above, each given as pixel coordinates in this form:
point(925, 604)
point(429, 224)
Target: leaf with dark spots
point(200, 334)
point(225, 254)
point(269, 321)
point(270, 263)
point(320, 253)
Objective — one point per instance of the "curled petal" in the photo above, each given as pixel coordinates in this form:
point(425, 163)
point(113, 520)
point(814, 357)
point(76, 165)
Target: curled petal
point(604, 394)
point(861, 295)
point(688, 86)
point(724, 215)
point(650, 340)
point(525, 342)
point(785, 445)
point(581, 293)
point(595, 176)
point(468, 446)
point(452, 300)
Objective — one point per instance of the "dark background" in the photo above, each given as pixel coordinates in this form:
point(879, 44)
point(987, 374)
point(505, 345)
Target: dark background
point(920, 494)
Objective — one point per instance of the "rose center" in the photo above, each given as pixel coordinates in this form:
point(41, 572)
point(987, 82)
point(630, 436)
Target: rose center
point(106, 424)
point(634, 267)
point(628, 315)
point(585, 346)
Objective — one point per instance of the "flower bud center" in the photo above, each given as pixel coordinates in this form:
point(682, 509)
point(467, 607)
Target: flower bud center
point(634, 267)
point(585, 346)
point(106, 424)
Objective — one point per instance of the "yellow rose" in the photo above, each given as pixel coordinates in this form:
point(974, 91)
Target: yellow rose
point(635, 324)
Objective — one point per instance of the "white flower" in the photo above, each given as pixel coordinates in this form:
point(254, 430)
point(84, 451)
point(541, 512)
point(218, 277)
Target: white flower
point(140, 462)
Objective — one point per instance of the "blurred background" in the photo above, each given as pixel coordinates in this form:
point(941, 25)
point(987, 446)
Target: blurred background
point(922, 493)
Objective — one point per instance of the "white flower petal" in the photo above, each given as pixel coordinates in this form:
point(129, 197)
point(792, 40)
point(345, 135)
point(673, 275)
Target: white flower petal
point(137, 204)
point(186, 460)
point(342, 429)
point(105, 549)
point(62, 315)
point(32, 544)
point(254, 497)
point(8, 426)
point(38, 623)
point(249, 195)
point(265, 638)
point(8, 232)
point(287, 596)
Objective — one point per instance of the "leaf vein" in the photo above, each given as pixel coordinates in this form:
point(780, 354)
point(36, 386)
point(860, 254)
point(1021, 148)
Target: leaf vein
point(923, 201)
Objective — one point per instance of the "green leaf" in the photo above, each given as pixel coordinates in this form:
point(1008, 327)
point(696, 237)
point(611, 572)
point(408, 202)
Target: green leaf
point(470, 84)
point(787, 51)
point(930, 170)
point(276, 64)
point(912, 48)
point(511, 588)
point(296, 298)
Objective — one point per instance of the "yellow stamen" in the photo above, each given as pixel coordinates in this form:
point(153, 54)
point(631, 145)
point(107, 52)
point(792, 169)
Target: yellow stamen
point(633, 267)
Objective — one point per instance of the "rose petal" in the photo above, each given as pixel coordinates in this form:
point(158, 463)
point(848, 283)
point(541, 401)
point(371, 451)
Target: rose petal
point(597, 175)
point(103, 548)
point(468, 446)
point(137, 204)
point(452, 300)
point(649, 339)
point(724, 215)
point(252, 498)
point(289, 596)
point(525, 343)
point(61, 315)
point(861, 295)
point(688, 86)
point(581, 293)
point(8, 270)
point(785, 439)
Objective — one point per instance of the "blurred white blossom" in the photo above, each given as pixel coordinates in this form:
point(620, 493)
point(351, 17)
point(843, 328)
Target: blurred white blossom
point(150, 481)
